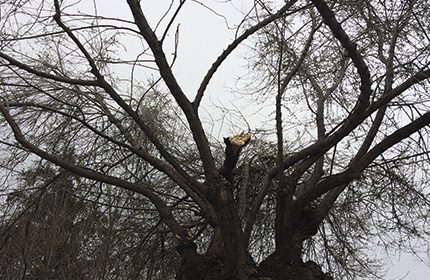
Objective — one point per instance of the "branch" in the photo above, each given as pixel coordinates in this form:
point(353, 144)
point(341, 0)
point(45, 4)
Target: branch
point(351, 48)
point(252, 214)
point(181, 3)
point(389, 80)
point(329, 199)
point(336, 184)
point(42, 74)
point(353, 120)
point(281, 89)
point(281, 86)
point(190, 189)
point(356, 169)
point(170, 80)
point(393, 139)
point(386, 98)
point(233, 146)
point(101, 82)
point(350, 123)
point(233, 46)
point(164, 211)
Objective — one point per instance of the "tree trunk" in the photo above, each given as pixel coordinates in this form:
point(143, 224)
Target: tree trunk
point(292, 227)
point(216, 263)
point(277, 266)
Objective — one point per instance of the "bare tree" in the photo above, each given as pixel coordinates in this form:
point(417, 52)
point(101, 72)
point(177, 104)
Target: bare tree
point(345, 166)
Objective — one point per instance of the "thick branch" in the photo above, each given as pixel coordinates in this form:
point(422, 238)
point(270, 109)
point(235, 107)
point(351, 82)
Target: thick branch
point(170, 80)
point(162, 208)
point(233, 146)
point(352, 121)
point(267, 182)
point(281, 89)
point(117, 98)
point(393, 139)
point(351, 48)
point(386, 98)
point(278, 111)
point(317, 149)
point(191, 190)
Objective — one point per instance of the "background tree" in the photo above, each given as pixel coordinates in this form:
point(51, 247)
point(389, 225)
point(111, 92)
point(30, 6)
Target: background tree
point(131, 173)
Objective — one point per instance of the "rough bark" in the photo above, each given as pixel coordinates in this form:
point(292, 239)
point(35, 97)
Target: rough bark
point(278, 266)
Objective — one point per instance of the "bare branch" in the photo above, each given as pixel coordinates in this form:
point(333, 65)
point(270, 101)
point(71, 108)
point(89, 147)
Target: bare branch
point(162, 208)
point(181, 4)
point(407, 84)
point(351, 48)
point(115, 96)
point(191, 189)
point(42, 74)
point(168, 77)
point(233, 46)
point(355, 170)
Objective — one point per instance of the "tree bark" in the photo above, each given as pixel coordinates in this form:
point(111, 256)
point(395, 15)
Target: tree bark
point(278, 266)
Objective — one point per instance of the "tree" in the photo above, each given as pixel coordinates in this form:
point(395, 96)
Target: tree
point(345, 164)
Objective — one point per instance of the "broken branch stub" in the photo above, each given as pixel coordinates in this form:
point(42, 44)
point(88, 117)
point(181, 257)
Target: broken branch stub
point(233, 146)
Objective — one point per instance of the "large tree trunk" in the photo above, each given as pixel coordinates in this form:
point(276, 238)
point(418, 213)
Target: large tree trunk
point(234, 262)
point(277, 266)
point(227, 256)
